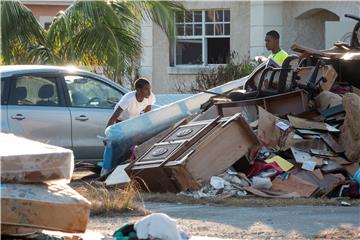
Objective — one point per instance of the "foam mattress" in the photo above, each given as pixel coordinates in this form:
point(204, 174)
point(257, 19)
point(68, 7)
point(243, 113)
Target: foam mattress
point(44, 206)
point(24, 161)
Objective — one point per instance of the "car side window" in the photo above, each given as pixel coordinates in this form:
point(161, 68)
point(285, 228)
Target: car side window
point(92, 93)
point(34, 90)
point(2, 93)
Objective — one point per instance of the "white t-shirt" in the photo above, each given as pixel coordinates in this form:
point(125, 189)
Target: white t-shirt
point(130, 105)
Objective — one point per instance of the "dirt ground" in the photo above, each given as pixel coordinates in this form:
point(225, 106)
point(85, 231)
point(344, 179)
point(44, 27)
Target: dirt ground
point(295, 222)
point(241, 217)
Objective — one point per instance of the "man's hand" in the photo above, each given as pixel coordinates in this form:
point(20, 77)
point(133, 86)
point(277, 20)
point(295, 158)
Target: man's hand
point(260, 59)
point(148, 108)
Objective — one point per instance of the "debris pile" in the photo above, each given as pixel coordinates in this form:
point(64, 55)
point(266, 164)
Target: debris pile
point(34, 193)
point(292, 131)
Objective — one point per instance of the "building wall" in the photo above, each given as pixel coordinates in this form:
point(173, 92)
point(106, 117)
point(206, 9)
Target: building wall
point(305, 22)
point(45, 13)
point(166, 78)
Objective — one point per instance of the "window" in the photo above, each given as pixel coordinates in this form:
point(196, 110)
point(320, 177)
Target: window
point(202, 37)
point(32, 90)
point(88, 92)
point(2, 93)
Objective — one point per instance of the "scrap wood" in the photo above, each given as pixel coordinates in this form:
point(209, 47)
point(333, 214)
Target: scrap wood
point(309, 51)
point(294, 184)
point(330, 75)
point(307, 145)
point(349, 137)
point(314, 146)
point(331, 181)
point(311, 115)
point(270, 134)
point(312, 125)
point(331, 166)
point(270, 194)
point(317, 172)
point(332, 143)
point(328, 183)
point(267, 132)
point(339, 160)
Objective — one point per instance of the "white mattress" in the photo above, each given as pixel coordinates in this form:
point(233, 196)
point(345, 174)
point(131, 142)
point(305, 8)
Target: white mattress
point(44, 206)
point(24, 161)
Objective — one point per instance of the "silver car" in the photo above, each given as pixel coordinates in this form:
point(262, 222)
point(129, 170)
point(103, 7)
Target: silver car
point(61, 106)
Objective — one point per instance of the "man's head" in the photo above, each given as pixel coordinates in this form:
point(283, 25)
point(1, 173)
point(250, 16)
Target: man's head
point(272, 41)
point(143, 88)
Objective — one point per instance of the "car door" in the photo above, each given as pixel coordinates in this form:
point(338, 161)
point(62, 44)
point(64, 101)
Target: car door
point(91, 103)
point(37, 110)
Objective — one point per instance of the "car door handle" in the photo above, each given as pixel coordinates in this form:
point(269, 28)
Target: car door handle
point(18, 116)
point(82, 118)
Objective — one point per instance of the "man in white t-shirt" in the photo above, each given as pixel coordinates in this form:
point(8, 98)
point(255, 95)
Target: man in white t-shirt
point(134, 103)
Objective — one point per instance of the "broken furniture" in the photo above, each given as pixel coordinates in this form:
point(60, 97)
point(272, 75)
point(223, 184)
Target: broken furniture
point(343, 57)
point(192, 153)
point(294, 102)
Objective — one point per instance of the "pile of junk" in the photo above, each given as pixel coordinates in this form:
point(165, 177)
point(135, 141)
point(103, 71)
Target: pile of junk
point(285, 131)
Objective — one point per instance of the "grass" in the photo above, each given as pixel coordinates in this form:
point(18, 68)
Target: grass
point(129, 199)
point(110, 201)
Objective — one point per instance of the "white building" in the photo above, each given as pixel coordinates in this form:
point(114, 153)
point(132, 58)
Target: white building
point(213, 29)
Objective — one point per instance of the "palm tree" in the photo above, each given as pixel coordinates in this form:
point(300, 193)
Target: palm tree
point(103, 34)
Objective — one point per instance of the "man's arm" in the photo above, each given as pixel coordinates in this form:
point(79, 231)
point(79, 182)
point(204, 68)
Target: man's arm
point(148, 108)
point(114, 116)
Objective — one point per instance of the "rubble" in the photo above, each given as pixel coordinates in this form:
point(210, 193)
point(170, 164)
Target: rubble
point(294, 133)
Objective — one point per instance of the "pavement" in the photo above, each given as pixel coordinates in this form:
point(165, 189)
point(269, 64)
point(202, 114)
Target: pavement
point(307, 220)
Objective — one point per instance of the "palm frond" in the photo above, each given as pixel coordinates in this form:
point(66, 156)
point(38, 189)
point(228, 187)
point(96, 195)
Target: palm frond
point(112, 46)
point(18, 24)
point(42, 55)
point(160, 12)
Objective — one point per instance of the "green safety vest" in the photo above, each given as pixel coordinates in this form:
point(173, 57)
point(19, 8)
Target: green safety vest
point(279, 57)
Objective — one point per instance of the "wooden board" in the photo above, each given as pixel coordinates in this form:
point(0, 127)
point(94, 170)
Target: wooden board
point(44, 206)
point(33, 161)
point(294, 184)
point(220, 150)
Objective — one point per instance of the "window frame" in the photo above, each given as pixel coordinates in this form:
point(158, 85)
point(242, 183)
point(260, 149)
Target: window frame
point(5, 90)
point(57, 81)
point(203, 36)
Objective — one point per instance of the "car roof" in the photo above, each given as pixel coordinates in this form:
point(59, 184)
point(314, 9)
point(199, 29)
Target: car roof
point(10, 70)
point(13, 70)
